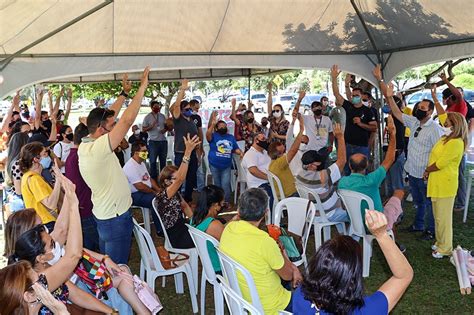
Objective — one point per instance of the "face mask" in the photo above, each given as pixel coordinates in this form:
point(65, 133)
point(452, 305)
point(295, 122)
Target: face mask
point(30, 134)
point(156, 110)
point(386, 109)
point(45, 162)
point(317, 112)
point(277, 114)
point(143, 155)
point(61, 117)
point(222, 131)
point(264, 124)
point(58, 252)
point(70, 136)
point(136, 132)
point(250, 120)
point(187, 113)
point(420, 114)
point(263, 144)
point(355, 99)
point(447, 131)
point(303, 146)
point(325, 103)
point(195, 112)
point(365, 103)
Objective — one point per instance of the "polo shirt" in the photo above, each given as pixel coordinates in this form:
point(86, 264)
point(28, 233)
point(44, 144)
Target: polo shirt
point(102, 172)
point(155, 134)
point(259, 159)
point(260, 255)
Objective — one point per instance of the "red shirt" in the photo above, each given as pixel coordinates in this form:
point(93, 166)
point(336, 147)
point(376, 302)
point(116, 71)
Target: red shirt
point(83, 192)
point(459, 106)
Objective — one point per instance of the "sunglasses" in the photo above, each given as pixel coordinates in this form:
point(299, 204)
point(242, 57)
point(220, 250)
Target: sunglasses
point(275, 111)
point(417, 131)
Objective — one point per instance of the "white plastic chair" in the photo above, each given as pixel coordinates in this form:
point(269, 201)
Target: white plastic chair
point(301, 214)
point(277, 194)
point(321, 223)
point(201, 240)
point(236, 304)
point(170, 155)
point(191, 252)
point(152, 268)
point(229, 270)
point(241, 177)
point(146, 218)
point(352, 200)
point(468, 195)
point(206, 163)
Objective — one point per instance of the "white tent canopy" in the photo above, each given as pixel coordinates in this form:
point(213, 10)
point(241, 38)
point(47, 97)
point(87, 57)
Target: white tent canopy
point(95, 40)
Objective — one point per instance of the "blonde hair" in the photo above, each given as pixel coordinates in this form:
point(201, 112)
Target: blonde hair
point(459, 126)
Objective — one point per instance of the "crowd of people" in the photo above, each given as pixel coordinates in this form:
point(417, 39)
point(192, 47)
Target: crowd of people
point(70, 192)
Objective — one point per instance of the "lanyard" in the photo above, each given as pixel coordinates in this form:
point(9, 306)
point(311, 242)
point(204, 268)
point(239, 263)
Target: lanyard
point(318, 125)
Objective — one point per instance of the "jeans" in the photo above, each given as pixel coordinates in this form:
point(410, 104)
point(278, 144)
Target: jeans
point(395, 174)
point(90, 237)
point(145, 200)
point(221, 178)
point(115, 237)
point(268, 190)
point(460, 200)
point(191, 176)
point(115, 299)
point(339, 215)
point(424, 208)
point(157, 149)
point(353, 149)
point(201, 176)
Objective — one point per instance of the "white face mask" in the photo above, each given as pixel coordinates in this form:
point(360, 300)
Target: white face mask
point(325, 103)
point(137, 132)
point(447, 131)
point(61, 118)
point(277, 114)
point(303, 146)
point(365, 103)
point(58, 252)
point(30, 134)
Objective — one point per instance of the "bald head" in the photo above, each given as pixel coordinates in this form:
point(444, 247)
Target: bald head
point(358, 163)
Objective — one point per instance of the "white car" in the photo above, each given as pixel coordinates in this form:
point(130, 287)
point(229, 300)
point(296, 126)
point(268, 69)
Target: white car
point(287, 101)
point(212, 103)
point(259, 101)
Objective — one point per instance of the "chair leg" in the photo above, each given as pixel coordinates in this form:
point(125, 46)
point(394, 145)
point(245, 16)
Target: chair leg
point(192, 291)
point(468, 195)
point(218, 299)
point(194, 261)
point(178, 282)
point(317, 237)
point(146, 219)
point(343, 227)
point(150, 280)
point(163, 281)
point(327, 233)
point(142, 270)
point(203, 293)
point(367, 254)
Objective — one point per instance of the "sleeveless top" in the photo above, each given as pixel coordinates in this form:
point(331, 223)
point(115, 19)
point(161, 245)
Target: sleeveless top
point(210, 247)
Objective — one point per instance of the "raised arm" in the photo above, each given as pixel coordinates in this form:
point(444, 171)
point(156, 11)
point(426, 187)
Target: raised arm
point(175, 108)
point(130, 114)
point(211, 126)
point(402, 272)
point(270, 98)
point(391, 102)
point(439, 108)
point(390, 156)
point(50, 101)
point(296, 144)
point(39, 100)
point(51, 202)
point(341, 147)
point(69, 104)
point(456, 93)
point(190, 144)
point(233, 114)
point(377, 72)
point(57, 103)
point(60, 272)
point(126, 87)
point(8, 116)
point(335, 86)
point(290, 136)
point(347, 85)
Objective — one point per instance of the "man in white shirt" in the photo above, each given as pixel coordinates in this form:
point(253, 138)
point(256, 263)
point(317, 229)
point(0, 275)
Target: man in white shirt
point(255, 163)
point(143, 187)
point(319, 130)
point(295, 164)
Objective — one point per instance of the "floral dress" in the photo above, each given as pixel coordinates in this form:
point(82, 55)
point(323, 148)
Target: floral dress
point(248, 134)
point(280, 128)
point(61, 294)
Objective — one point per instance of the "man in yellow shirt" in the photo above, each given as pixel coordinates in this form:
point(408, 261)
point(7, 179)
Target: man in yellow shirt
point(280, 164)
point(254, 249)
point(101, 171)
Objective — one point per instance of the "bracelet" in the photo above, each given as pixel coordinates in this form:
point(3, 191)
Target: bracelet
point(186, 159)
point(105, 257)
point(123, 94)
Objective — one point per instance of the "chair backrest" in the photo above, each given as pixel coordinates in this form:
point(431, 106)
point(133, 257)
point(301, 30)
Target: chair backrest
point(241, 175)
point(170, 156)
point(168, 245)
point(147, 249)
point(352, 201)
point(305, 192)
point(236, 304)
point(201, 240)
point(229, 270)
point(277, 194)
point(300, 213)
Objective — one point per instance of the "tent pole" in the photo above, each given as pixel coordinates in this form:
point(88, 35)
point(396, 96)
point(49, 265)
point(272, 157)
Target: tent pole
point(248, 95)
point(9, 59)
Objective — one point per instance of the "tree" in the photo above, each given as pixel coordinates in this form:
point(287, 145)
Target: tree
point(165, 90)
point(464, 80)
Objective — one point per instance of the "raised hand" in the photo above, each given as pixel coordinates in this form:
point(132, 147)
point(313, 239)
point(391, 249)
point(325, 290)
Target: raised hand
point(294, 114)
point(16, 98)
point(389, 90)
point(335, 71)
point(184, 84)
point(302, 94)
point(348, 78)
point(214, 118)
point(144, 79)
point(126, 84)
point(433, 92)
point(270, 85)
point(69, 93)
point(376, 222)
point(377, 72)
point(443, 77)
point(233, 102)
point(337, 130)
point(61, 92)
point(50, 93)
point(47, 299)
point(391, 125)
point(191, 143)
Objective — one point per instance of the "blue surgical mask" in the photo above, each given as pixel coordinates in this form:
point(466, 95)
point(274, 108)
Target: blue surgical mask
point(45, 162)
point(187, 112)
point(386, 109)
point(355, 99)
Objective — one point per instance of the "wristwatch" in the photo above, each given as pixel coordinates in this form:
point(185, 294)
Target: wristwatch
point(123, 94)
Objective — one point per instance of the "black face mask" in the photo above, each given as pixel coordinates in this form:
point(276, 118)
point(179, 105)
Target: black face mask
point(263, 144)
point(420, 114)
point(264, 124)
point(70, 136)
point(222, 131)
point(250, 120)
point(317, 112)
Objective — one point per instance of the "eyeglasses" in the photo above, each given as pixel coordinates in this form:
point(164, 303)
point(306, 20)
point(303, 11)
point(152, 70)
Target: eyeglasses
point(417, 131)
point(104, 114)
point(275, 111)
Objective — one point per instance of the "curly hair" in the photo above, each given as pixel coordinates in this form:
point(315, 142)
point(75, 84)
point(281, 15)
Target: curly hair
point(334, 278)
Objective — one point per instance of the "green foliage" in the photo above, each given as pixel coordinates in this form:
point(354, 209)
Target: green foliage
point(465, 80)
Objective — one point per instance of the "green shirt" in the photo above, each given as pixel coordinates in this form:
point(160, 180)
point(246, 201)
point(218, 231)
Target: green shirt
point(210, 247)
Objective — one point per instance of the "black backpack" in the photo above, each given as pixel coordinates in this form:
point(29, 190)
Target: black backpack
point(470, 111)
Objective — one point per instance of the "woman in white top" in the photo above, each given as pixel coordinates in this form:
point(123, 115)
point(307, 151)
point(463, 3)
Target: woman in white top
point(63, 147)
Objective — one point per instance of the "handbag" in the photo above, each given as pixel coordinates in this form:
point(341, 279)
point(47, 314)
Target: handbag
point(166, 261)
point(94, 274)
point(279, 233)
point(144, 293)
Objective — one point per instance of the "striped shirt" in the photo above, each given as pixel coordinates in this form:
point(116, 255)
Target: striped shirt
point(419, 148)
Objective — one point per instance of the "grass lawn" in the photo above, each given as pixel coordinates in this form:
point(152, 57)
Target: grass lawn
point(434, 289)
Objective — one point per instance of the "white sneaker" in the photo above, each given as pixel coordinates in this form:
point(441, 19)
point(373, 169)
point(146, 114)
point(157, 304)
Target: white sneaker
point(409, 198)
point(437, 255)
point(434, 247)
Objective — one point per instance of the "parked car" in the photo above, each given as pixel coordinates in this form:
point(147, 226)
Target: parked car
point(212, 103)
point(469, 96)
point(259, 101)
point(305, 106)
point(287, 101)
point(419, 96)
